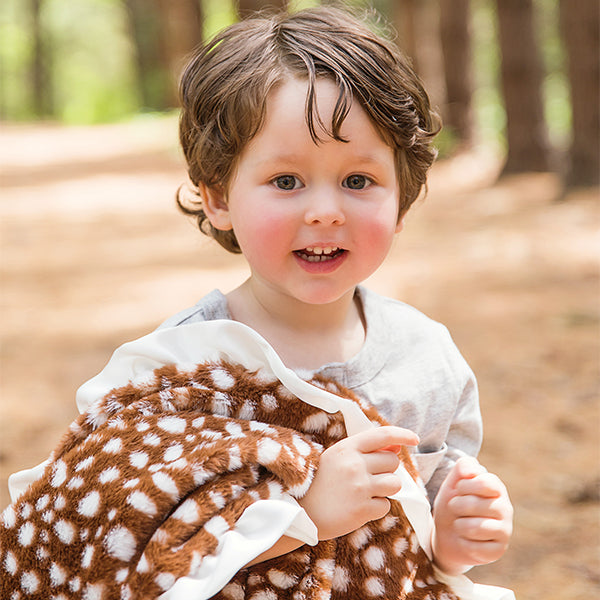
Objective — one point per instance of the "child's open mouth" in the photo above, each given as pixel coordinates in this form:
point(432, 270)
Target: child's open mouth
point(318, 254)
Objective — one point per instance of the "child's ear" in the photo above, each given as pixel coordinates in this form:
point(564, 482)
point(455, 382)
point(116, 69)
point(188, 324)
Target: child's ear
point(214, 204)
point(400, 224)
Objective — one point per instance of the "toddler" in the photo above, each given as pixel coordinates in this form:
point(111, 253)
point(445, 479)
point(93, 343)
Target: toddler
point(307, 139)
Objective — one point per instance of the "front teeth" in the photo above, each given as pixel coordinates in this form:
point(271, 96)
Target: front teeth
point(318, 254)
point(326, 250)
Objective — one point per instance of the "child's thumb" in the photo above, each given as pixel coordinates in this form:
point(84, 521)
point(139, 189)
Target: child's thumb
point(465, 467)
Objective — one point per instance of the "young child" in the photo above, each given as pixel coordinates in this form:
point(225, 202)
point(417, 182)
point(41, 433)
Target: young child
point(307, 139)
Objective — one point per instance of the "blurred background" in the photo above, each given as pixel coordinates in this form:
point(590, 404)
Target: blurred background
point(504, 248)
point(521, 75)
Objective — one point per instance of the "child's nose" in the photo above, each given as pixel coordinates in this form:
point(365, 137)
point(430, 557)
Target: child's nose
point(325, 208)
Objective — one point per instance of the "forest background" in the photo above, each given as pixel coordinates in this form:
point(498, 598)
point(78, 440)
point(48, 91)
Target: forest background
point(504, 250)
point(522, 74)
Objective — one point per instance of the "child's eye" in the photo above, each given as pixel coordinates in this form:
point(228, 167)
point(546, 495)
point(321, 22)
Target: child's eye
point(357, 182)
point(287, 182)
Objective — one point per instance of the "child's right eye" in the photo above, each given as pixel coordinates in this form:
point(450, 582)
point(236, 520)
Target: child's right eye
point(287, 182)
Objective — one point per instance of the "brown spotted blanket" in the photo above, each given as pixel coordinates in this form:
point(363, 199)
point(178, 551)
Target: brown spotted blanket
point(167, 485)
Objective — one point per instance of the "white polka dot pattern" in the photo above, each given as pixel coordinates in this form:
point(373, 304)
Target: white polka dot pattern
point(145, 484)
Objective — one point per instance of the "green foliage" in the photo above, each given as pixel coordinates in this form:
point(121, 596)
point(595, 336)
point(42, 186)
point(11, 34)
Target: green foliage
point(15, 54)
point(445, 142)
point(487, 97)
point(295, 5)
point(217, 15)
point(88, 55)
point(556, 86)
point(221, 13)
point(93, 72)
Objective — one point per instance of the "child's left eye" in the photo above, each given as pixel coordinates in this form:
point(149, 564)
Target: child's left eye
point(287, 182)
point(357, 182)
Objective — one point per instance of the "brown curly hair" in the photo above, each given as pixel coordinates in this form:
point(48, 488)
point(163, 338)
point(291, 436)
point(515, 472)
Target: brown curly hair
point(225, 86)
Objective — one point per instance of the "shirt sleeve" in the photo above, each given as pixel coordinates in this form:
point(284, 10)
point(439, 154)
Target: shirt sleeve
point(464, 435)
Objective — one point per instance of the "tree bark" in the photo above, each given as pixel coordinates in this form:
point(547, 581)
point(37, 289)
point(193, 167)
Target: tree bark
point(455, 37)
point(144, 21)
point(417, 24)
point(181, 22)
point(580, 27)
point(404, 17)
point(41, 96)
point(522, 77)
point(164, 32)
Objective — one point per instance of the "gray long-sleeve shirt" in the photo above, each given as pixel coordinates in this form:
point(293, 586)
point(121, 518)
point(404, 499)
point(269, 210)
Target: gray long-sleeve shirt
point(409, 369)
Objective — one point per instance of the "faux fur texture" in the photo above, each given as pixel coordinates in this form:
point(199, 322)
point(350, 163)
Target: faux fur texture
point(145, 484)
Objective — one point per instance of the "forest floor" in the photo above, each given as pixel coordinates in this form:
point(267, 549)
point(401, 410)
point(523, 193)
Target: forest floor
point(93, 253)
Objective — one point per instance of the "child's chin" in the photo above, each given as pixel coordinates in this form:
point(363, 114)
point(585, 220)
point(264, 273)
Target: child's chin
point(324, 295)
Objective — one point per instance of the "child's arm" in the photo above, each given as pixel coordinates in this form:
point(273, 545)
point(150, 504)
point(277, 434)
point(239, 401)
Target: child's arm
point(351, 485)
point(473, 518)
point(282, 546)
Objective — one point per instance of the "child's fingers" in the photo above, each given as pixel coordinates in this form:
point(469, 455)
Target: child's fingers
point(384, 485)
point(467, 467)
point(379, 438)
point(380, 507)
point(381, 462)
point(481, 553)
point(481, 530)
point(485, 484)
point(478, 507)
point(395, 448)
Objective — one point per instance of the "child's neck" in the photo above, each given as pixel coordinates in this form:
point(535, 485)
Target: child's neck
point(304, 336)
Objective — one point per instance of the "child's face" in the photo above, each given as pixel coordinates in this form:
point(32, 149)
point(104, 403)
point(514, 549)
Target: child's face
point(313, 220)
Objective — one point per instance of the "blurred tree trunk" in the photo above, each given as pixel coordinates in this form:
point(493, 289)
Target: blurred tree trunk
point(580, 27)
point(522, 77)
point(455, 37)
point(182, 22)
point(41, 96)
point(404, 17)
point(417, 23)
point(164, 32)
point(244, 7)
point(144, 20)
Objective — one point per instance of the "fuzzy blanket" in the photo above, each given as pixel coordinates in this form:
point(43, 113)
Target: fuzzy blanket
point(180, 471)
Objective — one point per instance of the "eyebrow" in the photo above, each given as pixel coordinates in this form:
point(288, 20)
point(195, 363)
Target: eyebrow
point(276, 157)
point(372, 158)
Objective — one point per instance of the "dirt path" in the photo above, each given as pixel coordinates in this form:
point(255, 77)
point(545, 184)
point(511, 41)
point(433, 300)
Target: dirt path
point(93, 254)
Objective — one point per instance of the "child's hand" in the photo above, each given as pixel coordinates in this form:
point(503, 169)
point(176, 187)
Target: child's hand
point(472, 516)
point(354, 477)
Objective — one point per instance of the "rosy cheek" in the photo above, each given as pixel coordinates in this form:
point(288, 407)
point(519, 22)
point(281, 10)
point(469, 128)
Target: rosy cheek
point(262, 233)
point(273, 228)
point(380, 227)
